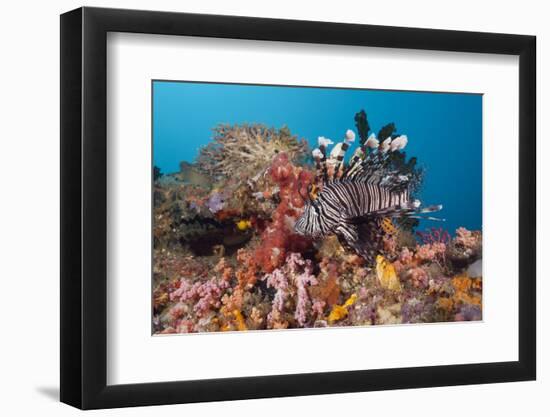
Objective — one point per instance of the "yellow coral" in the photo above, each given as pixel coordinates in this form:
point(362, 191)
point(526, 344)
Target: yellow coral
point(239, 319)
point(350, 301)
point(340, 312)
point(243, 225)
point(387, 277)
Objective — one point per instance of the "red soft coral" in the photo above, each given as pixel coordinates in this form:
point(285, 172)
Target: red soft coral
point(279, 239)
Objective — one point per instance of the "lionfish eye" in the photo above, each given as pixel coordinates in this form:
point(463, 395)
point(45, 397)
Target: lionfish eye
point(312, 191)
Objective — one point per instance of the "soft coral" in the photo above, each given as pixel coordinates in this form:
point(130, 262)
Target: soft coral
point(279, 238)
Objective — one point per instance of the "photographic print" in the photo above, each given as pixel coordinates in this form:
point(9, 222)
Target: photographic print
point(289, 207)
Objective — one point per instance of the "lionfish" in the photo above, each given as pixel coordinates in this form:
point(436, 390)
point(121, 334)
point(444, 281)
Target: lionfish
point(352, 200)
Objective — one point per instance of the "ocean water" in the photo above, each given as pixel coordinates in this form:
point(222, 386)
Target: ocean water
point(444, 130)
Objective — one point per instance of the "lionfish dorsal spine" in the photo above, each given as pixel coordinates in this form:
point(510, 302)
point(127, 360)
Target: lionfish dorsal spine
point(354, 197)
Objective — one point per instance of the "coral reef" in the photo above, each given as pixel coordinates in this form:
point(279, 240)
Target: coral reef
point(247, 150)
point(227, 256)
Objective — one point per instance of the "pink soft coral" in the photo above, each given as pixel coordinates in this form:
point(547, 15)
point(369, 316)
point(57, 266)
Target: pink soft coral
point(419, 277)
point(466, 238)
point(206, 294)
point(430, 251)
point(301, 280)
point(289, 281)
point(278, 280)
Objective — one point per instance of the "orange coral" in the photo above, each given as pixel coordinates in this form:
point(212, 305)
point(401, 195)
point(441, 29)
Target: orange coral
point(233, 301)
point(463, 286)
point(445, 303)
point(462, 283)
point(224, 269)
point(246, 275)
point(239, 320)
point(328, 289)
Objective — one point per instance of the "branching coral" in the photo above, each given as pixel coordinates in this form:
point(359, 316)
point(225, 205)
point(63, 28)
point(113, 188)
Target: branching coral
point(247, 150)
point(434, 235)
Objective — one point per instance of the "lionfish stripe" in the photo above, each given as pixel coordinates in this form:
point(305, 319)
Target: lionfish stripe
point(357, 195)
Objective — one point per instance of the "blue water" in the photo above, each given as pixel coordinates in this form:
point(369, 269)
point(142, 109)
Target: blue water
point(444, 130)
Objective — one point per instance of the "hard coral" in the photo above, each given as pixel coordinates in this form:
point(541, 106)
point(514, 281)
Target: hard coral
point(247, 150)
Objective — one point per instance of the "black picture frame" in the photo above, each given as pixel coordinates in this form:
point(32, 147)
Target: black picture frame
point(84, 207)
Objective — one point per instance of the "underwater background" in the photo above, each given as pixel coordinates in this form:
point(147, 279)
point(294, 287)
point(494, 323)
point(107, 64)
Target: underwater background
point(279, 207)
point(444, 130)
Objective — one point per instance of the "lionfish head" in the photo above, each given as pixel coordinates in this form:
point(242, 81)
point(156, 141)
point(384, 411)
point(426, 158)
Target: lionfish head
point(308, 223)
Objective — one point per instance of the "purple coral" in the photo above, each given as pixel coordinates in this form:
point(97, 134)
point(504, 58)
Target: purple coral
point(216, 202)
point(434, 235)
point(414, 310)
point(469, 312)
point(277, 280)
point(293, 278)
point(302, 281)
point(207, 294)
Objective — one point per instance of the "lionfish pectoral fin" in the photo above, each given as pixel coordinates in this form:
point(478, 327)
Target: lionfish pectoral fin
point(361, 238)
point(408, 210)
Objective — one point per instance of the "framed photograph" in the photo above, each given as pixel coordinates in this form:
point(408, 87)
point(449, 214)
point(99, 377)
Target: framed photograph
point(256, 208)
